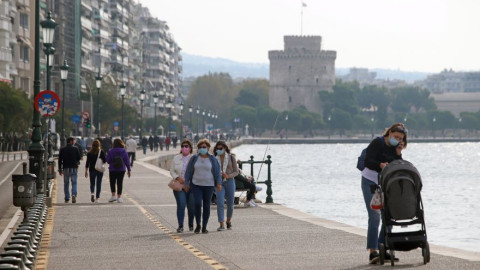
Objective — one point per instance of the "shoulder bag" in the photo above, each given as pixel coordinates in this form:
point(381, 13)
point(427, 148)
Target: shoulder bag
point(100, 165)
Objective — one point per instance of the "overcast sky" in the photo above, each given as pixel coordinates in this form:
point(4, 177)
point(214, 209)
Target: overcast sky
point(410, 35)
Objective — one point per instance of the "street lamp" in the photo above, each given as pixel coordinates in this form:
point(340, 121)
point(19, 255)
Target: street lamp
point(142, 98)
point(198, 119)
point(203, 121)
point(36, 149)
point(123, 91)
point(98, 83)
point(169, 106)
point(373, 125)
point(286, 127)
point(329, 126)
point(48, 31)
point(181, 120)
point(155, 101)
point(49, 51)
point(433, 126)
point(63, 76)
point(190, 110)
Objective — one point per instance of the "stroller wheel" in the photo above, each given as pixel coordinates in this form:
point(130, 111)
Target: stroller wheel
point(392, 257)
point(426, 253)
point(381, 249)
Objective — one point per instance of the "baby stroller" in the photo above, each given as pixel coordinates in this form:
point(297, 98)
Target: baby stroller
point(400, 184)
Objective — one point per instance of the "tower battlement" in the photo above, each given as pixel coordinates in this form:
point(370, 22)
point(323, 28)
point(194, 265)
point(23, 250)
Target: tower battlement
point(309, 43)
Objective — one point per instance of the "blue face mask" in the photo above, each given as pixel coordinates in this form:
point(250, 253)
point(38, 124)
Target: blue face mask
point(219, 152)
point(393, 142)
point(202, 151)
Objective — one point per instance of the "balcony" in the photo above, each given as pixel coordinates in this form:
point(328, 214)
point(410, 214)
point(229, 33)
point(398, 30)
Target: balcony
point(5, 25)
point(5, 55)
point(86, 45)
point(86, 23)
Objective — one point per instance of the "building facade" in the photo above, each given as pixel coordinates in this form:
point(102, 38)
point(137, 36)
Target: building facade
point(299, 72)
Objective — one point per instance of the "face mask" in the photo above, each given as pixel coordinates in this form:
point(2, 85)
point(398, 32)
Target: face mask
point(185, 151)
point(219, 152)
point(393, 142)
point(202, 151)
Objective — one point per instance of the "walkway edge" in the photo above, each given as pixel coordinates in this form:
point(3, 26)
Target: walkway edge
point(296, 214)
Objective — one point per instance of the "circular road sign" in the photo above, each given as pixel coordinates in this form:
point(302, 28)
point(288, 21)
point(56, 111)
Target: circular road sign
point(47, 103)
point(85, 115)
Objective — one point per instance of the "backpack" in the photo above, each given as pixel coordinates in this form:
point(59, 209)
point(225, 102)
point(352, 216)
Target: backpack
point(363, 156)
point(118, 162)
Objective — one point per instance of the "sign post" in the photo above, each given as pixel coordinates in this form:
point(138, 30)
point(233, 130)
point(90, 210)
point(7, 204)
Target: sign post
point(47, 104)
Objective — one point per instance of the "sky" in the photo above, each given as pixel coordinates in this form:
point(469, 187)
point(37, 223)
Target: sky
point(407, 35)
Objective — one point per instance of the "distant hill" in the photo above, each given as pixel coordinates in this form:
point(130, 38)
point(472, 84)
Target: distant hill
point(195, 65)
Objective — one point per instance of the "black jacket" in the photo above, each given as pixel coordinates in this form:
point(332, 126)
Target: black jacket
point(379, 152)
point(92, 160)
point(69, 157)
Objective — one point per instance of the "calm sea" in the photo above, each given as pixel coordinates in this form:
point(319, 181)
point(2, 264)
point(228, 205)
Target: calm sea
point(321, 179)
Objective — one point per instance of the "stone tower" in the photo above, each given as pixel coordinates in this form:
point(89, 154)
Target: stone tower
point(299, 72)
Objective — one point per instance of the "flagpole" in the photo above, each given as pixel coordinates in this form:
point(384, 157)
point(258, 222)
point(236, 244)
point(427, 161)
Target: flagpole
point(301, 20)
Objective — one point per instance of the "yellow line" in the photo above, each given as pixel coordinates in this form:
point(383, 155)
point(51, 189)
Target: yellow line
point(197, 253)
point(41, 262)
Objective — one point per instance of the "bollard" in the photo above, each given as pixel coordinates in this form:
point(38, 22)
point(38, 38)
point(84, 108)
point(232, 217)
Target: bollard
point(18, 254)
point(25, 167)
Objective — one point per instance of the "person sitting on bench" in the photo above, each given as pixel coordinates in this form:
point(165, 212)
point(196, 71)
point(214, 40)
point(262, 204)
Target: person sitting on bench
point(249, 184)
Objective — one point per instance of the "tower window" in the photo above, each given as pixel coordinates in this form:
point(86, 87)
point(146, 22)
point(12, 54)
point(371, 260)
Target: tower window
point(298, 80)
point(289, 68)
point(316, 80)
point(289, 99)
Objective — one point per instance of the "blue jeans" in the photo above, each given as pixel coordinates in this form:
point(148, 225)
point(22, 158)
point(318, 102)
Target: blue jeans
point(69, 174)
point(184, 199)
point(228, 190)
point(373, 239)
point(202, 195)
point(96, 175)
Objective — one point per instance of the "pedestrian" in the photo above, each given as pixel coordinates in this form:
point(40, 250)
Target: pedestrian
point(107, 143)
point(150, 142)
point(248, 183)
point(119, 162)
point(202, 176)
point(167, 143)
point(229, 168)
point(161, 142)
point(68, 161)
point(131, 149)
point(144, 144)
point(156, 141)
point(174, 141)
point(95, 176)
point(183, 198)
point(379, 153)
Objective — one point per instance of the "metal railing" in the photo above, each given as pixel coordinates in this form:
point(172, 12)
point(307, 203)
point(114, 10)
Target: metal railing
point(268, 181)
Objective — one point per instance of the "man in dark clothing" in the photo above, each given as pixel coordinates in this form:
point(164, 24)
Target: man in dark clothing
point(106, 143)
point(68, 160)
point(150, 143)
point(156, 141)
point(144, 144)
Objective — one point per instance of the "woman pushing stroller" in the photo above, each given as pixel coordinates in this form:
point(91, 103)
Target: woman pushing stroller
point(379, 153)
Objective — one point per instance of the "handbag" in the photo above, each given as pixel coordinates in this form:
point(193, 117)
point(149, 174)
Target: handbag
point(99, 165)
point(175, 185)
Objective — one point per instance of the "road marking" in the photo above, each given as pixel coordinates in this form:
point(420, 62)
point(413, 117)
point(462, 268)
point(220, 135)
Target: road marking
point(43, 254)
point(10, 173)
point(10, 226)
point(197, 253)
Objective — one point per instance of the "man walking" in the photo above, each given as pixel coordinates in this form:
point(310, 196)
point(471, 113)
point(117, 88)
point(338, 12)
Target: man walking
point(131, 149)
point(68, 160)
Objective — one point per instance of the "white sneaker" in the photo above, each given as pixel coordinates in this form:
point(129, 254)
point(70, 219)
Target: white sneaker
point(253, 204)
point(120, 200)
point(112, 199)
point(259, 188)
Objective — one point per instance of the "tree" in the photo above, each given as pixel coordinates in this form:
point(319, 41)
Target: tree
point(253, 93)
point(16, 109)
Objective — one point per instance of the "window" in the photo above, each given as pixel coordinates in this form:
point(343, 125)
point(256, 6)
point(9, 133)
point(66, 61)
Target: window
point(290, 99)
point(298, 80)
point(25, 54)
point(24, 20)
point(25, 84)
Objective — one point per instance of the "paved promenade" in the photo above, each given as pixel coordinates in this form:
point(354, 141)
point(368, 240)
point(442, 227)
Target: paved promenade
point(140, 234)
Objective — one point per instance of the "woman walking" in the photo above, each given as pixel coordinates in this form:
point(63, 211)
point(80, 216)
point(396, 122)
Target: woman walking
point(95, 176)
point(183, 198)
point(202, 175)
point(380, 152)
point(228, 166)
point(119, 162)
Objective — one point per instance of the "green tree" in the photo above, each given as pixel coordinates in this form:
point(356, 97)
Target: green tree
point(253, 93)
point(16, 109)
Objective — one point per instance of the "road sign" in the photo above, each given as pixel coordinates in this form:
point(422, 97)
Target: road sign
point(85, 115)
point(47, 103)
point(76, 118)
point(115, 124)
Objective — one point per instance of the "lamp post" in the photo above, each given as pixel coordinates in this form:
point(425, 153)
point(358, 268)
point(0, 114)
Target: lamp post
point(373, 126)
point(329, 126)
point(98, 83)
point(181, 121)
point(169, 109)
point(36, 149)
point(190, 110)
point(63, 76)
point(203, 121)
point(142, 98)
point(433, 126)
point(198, 119)
point(286, 127)
point(49, 51)
point(155, 101)
point(123, 91)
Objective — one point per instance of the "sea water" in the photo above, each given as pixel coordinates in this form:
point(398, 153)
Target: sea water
point(322, 180)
